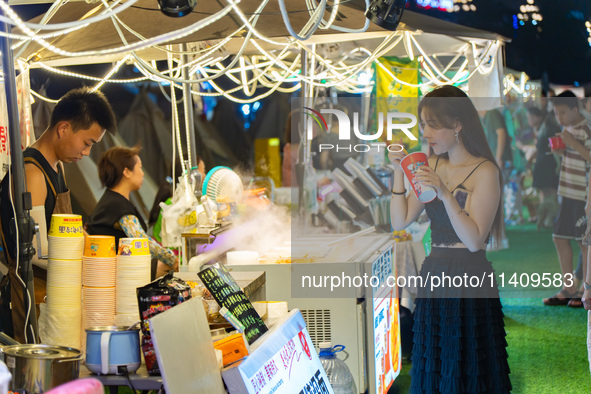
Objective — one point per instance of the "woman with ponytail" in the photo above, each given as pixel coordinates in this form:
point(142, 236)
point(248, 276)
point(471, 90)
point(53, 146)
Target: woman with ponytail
point(120, 172)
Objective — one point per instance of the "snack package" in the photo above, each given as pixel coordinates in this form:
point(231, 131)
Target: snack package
point(154, 298)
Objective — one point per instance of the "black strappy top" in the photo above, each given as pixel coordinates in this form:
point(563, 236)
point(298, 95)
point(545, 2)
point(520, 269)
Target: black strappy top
point(442, 231)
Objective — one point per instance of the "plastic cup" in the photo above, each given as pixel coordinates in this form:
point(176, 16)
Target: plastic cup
point(556, 143)
point(99, 246)
point(63, 225)
point(133, 247)
point(411, 163)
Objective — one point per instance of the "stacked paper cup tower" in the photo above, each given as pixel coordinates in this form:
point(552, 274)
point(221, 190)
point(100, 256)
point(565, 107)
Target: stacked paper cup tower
point(98, 281)
point(133, 271)
point(64, 281)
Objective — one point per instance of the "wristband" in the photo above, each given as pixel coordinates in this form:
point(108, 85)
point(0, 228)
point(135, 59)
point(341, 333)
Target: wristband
point(398, 194)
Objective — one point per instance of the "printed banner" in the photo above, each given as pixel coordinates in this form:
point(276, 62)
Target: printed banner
point(4, 145)
point(386, 86)
point(386, 326)
point(25, 115)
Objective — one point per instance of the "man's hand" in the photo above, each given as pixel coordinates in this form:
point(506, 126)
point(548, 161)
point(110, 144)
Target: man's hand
point(568, 138)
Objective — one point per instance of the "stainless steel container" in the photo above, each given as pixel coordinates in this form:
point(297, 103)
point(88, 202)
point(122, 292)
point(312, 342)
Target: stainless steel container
point(39, 368)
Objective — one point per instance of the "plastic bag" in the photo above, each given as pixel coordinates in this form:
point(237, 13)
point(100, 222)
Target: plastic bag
point(179, 217)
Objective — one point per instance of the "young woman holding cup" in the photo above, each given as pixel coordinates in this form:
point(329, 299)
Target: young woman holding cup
point(459, 336)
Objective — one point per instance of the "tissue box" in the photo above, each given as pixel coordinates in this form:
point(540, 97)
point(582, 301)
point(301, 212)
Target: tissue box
point(283, 360)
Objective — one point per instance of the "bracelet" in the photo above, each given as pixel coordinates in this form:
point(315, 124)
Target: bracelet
point(586, 286)
point(399, 194)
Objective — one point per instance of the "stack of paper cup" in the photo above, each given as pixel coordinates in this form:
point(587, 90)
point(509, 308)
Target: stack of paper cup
point(133, 271)
point(64, 281)
point(98, 280)
point(275, 312)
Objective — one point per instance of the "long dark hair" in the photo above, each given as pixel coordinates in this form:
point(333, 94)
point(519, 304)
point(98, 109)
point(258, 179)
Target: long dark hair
point(449, 105)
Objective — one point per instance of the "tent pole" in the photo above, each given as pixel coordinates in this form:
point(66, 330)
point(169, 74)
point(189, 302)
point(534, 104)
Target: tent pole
point(189, 112)
point(22, 198)
point(305, 172)
point(304, 151)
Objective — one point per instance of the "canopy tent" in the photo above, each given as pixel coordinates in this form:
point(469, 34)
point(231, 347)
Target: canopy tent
point(145, 19)
point(250, 44)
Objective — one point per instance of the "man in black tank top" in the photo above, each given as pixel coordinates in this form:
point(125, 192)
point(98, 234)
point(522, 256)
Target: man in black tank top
point(78, 121)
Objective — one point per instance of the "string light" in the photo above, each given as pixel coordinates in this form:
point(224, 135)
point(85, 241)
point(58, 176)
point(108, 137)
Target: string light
point(529, 12)
point(110, 73)
point(124, 49)
point(273, 71)
point(463, 5)
point(522, 88)
point(89, 77)
point(34, 93)
point(273, 75)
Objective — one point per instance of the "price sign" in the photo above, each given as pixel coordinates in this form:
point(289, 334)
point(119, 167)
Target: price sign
point(227, 293)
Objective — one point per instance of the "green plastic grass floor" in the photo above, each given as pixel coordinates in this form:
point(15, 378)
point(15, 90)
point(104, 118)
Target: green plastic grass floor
point(547, 345)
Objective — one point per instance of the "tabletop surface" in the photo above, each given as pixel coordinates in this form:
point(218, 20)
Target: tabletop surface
point(140, 380)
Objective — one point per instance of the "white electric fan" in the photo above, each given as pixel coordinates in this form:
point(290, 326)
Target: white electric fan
point(223, 182)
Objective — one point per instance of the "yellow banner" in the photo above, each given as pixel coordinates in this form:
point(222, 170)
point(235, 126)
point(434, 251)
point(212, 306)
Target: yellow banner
point(393, 96)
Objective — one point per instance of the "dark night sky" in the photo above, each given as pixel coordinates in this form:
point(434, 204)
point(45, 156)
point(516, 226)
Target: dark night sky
point(556, 49)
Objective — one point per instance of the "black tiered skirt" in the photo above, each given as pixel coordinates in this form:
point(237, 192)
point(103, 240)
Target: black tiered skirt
point(459, 333)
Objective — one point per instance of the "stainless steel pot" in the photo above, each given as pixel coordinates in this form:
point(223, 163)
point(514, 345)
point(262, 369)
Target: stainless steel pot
point(39, 368)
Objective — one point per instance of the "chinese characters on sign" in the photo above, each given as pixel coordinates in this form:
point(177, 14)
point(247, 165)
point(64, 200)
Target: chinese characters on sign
point(227, 293)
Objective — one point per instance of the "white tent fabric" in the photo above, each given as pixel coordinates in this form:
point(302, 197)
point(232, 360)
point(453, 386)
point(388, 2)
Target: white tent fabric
point(145, 19)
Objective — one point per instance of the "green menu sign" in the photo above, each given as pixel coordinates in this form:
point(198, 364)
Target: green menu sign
point(227, 293)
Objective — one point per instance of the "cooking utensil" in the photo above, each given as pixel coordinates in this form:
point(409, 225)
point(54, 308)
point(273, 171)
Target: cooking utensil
point(39, 368)
point(112, 350)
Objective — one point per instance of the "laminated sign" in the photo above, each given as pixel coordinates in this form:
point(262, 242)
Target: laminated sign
point(227, 293)
point(284, 361)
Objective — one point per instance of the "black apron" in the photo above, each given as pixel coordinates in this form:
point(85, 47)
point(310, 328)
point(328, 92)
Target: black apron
point(63, 205)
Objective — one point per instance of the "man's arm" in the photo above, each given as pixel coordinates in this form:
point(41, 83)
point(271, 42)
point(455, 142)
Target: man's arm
point(570, 140)
point(501, 138)
point(36, 184)
point(38, 189)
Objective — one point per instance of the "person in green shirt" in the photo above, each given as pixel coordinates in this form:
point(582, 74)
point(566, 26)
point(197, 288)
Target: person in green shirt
point(497, 136)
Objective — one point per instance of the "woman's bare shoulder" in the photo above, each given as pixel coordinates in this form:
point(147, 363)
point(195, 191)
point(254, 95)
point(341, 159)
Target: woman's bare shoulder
point(487, 173)
point(488, 168)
